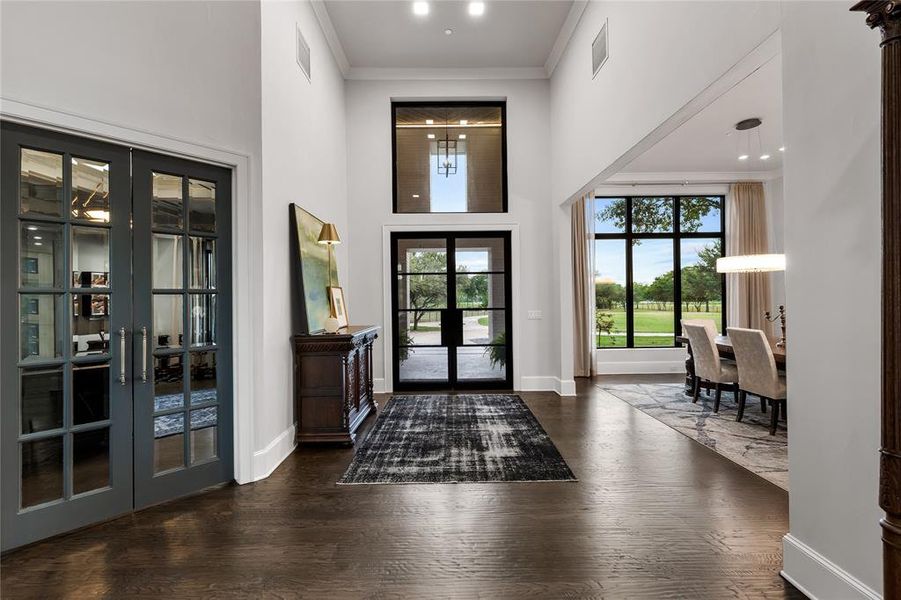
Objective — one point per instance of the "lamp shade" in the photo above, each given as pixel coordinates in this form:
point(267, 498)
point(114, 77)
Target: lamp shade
point(328, 234)
point(751, 263)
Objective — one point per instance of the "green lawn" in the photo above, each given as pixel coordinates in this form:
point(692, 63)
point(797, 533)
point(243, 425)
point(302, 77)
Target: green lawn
point(649, 321)
point(483, 321)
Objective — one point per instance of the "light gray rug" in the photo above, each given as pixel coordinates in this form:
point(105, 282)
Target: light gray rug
point(748, 443)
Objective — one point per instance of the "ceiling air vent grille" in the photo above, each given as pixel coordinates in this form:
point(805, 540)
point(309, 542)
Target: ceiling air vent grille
point(599, 51)
point(303, 54)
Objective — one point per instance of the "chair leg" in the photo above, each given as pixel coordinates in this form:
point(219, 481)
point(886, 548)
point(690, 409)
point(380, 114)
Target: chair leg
point(697, 388)
point(736, 392)
point(774, 418)
point(719, 394)
point(742, 396)
point(763, 405)
point(707, 389)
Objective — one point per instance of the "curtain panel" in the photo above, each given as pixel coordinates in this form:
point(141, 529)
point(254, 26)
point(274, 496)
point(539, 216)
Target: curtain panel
point(583, 294)
point(747, 294)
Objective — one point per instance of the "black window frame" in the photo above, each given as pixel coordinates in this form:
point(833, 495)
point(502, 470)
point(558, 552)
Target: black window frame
point(502, 104)
point(677, 235)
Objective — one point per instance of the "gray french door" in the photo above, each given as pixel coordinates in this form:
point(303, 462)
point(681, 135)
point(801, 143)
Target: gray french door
point(452, 318)
point(79, 373)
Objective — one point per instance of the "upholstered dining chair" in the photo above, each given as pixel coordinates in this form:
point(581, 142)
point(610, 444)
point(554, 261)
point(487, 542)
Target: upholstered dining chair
point(708, 364)
point(757, 372)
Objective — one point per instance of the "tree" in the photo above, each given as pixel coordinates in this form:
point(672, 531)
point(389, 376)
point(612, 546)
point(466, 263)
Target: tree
point(701, 283)
point(426, 292)
point(661, 290)
point(608, 295)
point(603, 321)
point(651, 215)
point(472, 290)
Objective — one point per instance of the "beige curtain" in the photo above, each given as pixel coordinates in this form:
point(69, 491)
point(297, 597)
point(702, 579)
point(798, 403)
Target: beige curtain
point(583, 315)
point(748, 294)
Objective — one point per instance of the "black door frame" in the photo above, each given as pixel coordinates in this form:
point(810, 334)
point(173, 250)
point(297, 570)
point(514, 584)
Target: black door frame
point(452, 321)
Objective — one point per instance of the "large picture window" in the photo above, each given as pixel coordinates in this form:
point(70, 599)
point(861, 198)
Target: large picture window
point(449, 157)
point(655, 263)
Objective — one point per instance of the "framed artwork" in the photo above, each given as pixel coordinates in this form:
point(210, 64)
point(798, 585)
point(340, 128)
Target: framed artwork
point(339, 306)
point(311, 278)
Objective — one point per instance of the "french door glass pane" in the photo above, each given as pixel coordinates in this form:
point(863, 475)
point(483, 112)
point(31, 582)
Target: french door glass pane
point(203, 433)
point(484, 327)
point(168, 442)
point(700, 213)
point(42, 399)
point(652, 272)
point(203, 263)
point(203, 377)
point(610, 293)
point(167, 259)
point(475, 255)
point(481, 362)
point(90, 324)
point(90, 190)
point(90, 460)
point(42, 471)
point(419, 328)
point(168, 319)
point(166, 204)
point(423, 364)
point(422, 292)
point(478, 290)
point(39, 315)
point(168, 382)
point(702, 290)
point(41, 255)
point(203, 319)
point(202, 205)
point(90, 257)
point(41, 183)
point(90, 393)
point(652, 215)
point(421, 256)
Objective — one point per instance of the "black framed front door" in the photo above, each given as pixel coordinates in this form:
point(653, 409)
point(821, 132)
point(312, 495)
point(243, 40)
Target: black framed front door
point(115, 351)
point(451, 312)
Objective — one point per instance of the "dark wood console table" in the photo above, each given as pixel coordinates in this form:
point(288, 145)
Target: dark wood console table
point(333, 383)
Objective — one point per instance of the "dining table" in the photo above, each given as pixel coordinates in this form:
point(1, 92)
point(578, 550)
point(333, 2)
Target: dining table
point(724, 345)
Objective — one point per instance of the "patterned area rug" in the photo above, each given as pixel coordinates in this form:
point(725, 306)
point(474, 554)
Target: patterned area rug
point(473, 438)
point(748, 443)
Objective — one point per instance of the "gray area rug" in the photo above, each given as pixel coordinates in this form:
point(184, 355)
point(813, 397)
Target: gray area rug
point(472, 438)
point(748, 443)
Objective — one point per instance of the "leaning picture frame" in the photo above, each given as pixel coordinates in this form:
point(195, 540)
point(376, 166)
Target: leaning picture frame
point(338, 305)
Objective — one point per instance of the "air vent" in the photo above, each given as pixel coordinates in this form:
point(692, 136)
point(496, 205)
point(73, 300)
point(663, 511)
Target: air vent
point(303, 54)
point(599, 51)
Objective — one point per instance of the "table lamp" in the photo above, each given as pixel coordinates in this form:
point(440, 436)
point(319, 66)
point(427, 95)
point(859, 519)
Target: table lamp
point(328, 235)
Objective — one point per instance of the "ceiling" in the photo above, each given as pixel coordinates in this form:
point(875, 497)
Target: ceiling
point(708, 142)
point(386, 34)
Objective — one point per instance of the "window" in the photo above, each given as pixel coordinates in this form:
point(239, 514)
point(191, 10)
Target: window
point(449, 157)
point(655, 263)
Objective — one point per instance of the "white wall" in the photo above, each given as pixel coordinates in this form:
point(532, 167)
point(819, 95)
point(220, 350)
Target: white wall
point(370, 203)
point(304, 162)
point(831, 72)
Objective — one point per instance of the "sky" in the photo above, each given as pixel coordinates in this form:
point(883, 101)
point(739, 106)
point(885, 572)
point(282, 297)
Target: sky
point(447, 193)
point(650, 258)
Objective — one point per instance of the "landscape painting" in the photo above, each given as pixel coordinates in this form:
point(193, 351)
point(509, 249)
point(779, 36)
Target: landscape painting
point(312, 282)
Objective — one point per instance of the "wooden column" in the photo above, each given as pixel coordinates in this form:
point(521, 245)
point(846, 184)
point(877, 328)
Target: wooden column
point(886, 16)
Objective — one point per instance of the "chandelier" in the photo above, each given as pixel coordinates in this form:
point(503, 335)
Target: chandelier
point(447, 152)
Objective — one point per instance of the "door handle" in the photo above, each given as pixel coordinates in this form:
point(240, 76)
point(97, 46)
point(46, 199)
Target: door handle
point(144, 354)
point(122, 355)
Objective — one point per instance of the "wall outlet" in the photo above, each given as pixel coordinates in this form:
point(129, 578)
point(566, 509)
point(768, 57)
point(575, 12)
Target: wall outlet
point(535, 315)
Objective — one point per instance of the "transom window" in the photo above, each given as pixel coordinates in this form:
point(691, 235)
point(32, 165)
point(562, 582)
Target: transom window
point(654, 264)
point(449, 157)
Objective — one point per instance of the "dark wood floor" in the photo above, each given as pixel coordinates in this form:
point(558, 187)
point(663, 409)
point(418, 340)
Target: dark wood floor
point(654, 514)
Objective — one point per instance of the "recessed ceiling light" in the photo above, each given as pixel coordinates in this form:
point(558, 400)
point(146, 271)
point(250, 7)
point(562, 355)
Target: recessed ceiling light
point(431, 136)
point(448, 31)
point(37, 237)
point(430, 121)
point(743, 157)
point(463, 121)
point(416, 195)
point(462, 136)
point(764, 157)
point(421, 8)
point(38, 244)
point(31, 228)
point(781, 148)
point(476, 9)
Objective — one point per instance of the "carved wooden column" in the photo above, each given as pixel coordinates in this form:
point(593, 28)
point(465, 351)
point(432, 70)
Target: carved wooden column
point(886, 16)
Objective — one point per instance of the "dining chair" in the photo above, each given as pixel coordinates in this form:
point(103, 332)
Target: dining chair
point(709, 365)
point(757, 372)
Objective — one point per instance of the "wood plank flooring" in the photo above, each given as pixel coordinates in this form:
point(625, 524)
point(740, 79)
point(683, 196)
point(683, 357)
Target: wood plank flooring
point(654, 515)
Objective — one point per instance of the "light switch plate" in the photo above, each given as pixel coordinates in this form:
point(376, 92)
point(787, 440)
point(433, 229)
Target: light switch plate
point(535, 315)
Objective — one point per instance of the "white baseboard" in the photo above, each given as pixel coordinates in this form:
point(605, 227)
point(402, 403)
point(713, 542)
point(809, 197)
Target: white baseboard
point(566, 388)
point(819, 578)
point(378, 385)
point(640, 367)
point(547, 383)
point(265, 461)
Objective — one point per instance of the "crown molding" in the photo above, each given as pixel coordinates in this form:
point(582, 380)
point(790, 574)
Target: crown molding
point(564, 35)
point(331, 36)
point(690, 177)
point(444, 74)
